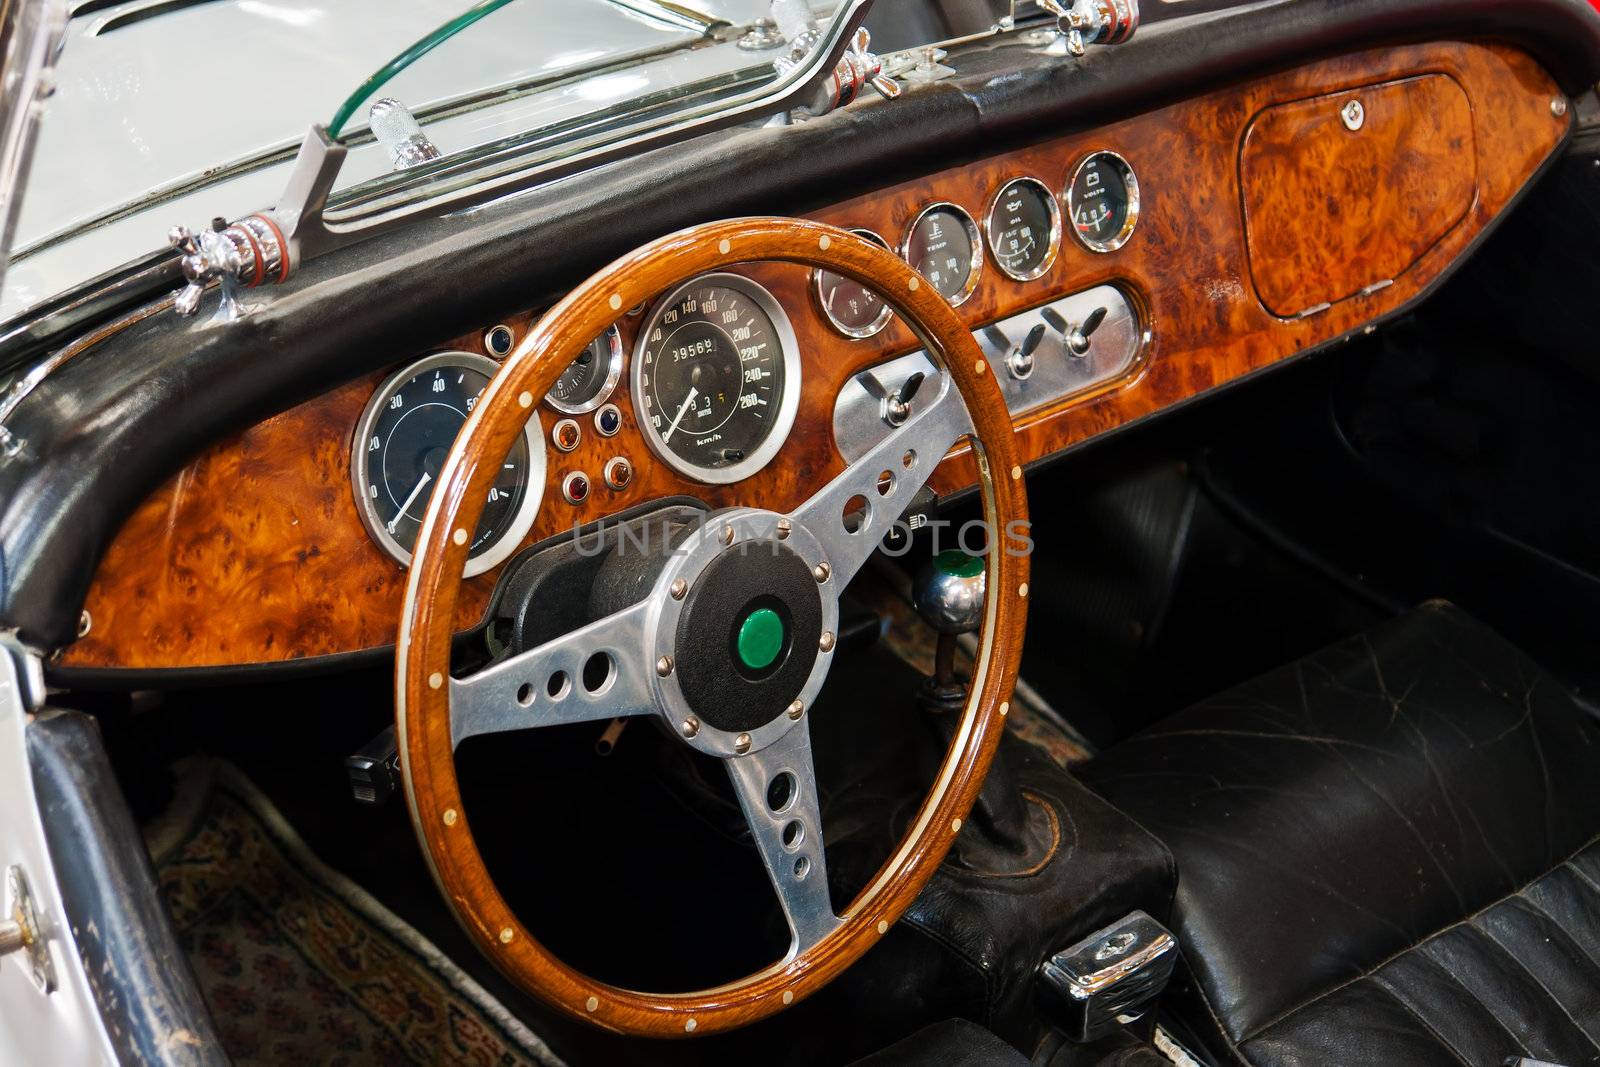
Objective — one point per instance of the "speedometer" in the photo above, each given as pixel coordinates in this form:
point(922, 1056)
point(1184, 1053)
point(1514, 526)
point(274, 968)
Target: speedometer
point(400, 446)
point(716, 378)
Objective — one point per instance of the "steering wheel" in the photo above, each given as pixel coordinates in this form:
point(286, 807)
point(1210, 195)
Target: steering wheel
point(654, 666)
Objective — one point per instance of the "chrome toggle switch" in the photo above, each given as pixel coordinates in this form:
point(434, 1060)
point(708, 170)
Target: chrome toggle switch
point(1020, 362)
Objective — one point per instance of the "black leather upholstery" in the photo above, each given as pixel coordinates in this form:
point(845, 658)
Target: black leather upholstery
point(952, 1043)
point(1386, 853)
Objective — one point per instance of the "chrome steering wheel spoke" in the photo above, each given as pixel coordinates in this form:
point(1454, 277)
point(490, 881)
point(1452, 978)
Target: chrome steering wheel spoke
point(551, 685)
point(886, 478)
point(777, 788)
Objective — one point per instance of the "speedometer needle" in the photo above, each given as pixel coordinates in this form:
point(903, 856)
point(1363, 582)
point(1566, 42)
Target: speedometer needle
point(426, 478)
point(687, 401)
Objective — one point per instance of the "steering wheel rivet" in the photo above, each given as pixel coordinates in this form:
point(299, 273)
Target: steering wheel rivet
point(796, 710)
point(724, 246)
point(883, 926)
point(616, 302)
point(1022, 590)
point(450, 816)
point(821, 571)
point(689, 1026)
point(679, 588)
point(1016, 473)
point(690, 727)
point(784, 526)
point(979, 366)
point(955, 826)
point(435, 680)
point(525, 399)
point(664, 666)
point(459, 537)
point(913, 283)
point(1005, 708)
point(592, 1003)
point(824, 241)
point(741, 744)
point(788, 996)
point(825, 642)
point(506, 935)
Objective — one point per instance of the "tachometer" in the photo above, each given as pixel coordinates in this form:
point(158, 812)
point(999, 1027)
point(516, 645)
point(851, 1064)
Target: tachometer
point(1024, 228)
point(1103, 202)
point(716, 378)
point(589, 379)
point(943, 246)
point(402, 440)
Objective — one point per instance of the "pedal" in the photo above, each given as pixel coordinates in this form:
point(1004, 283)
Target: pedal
point(374, 770)
point(1110, 978)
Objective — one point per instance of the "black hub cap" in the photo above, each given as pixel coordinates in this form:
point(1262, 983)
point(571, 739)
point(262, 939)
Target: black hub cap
point(747, 639)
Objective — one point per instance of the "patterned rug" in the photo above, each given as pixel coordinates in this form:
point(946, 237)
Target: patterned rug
point(297, 963)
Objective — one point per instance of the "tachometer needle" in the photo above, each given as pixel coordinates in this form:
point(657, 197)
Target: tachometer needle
point(687, 402)
point(426, 478)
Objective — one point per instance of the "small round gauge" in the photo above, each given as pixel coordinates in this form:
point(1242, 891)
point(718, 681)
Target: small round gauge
point(1024, 228)
point(716, 378)
point(589, 379)
point(1103, 202)
point(943, 246)
point(852, 308)
point(401, 443)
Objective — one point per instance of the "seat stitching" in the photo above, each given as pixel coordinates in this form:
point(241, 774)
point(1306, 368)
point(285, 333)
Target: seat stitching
point(1489, 936)
point(1426, 1025)
point(1420, 941)
point(1442, 969)
point(1590, 882)
point(1536, 906)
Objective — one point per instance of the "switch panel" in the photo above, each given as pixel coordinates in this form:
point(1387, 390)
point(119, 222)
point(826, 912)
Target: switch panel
point(1039, 357)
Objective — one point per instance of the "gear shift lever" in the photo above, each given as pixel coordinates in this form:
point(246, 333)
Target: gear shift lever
point(948, 593)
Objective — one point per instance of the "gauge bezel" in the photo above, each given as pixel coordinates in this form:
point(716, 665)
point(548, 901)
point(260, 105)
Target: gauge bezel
point(498, 551)
point(788, 406)
point(884, 314)
point(1051, 251)
point(972, 232)
point(1129, 180)
point(613, 376)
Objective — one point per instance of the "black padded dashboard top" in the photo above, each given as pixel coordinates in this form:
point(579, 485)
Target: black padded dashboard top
point(111, 425)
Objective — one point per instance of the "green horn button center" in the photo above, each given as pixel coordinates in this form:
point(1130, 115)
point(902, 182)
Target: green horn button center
point(760, 638)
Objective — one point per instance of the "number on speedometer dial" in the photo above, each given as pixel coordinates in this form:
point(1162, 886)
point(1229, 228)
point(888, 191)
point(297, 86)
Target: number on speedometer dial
point(716, 378)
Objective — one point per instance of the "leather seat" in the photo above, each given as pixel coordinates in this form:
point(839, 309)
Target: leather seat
point(1387, 854)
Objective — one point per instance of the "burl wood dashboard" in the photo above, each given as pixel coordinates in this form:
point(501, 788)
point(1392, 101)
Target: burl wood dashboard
point(1267, 227)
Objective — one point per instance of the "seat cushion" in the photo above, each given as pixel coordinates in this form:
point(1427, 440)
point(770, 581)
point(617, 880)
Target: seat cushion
point(1386, 852)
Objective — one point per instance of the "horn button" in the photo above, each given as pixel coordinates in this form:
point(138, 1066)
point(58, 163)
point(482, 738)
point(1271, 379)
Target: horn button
point(748, 635)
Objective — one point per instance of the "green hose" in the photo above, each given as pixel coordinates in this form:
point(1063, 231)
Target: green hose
point(400, 62)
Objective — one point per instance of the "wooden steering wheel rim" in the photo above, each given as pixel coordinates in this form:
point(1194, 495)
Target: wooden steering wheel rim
point(422, 711)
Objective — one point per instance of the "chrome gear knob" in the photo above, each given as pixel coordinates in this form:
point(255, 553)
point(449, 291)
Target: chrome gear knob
point(948, 592)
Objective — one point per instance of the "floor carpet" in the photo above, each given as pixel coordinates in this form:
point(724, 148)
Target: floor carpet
point(301, 966)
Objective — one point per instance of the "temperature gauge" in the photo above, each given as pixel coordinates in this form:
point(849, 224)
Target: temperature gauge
point(943, 246)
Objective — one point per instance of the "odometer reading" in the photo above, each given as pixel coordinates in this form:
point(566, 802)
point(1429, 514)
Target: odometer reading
point(943, 246)
point(716, 378)
point(400, 447)
point(1103, 202)
point(1024, 228)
